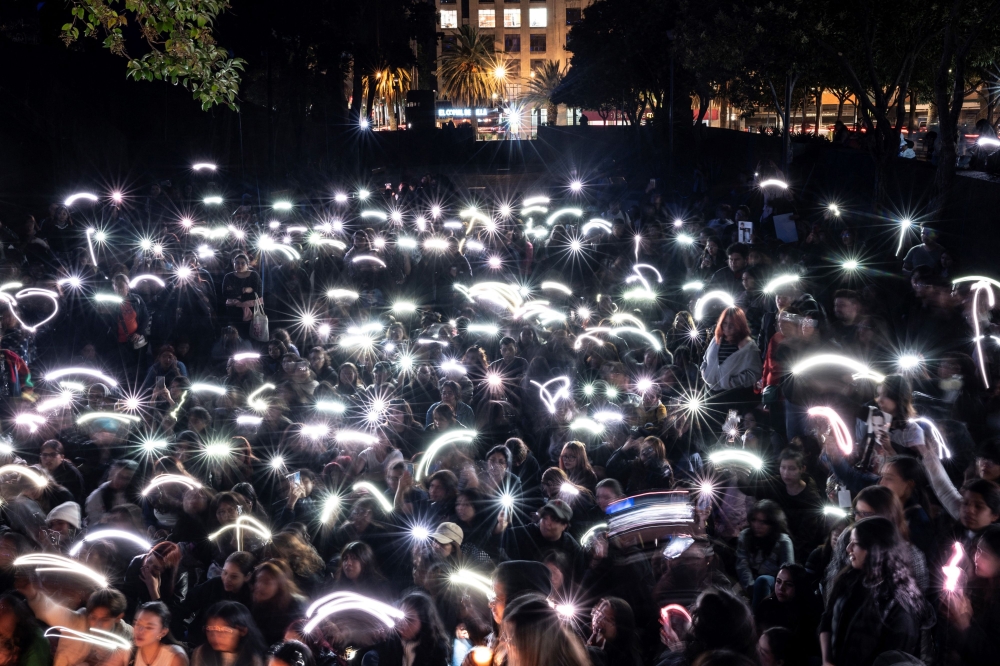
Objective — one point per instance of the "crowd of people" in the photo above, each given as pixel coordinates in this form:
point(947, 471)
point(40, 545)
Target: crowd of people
point(419, 428)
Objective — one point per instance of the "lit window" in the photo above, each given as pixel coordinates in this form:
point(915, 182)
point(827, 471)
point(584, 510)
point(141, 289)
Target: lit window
point(487, 18)
point(538, 17)
point(512, 18)
point(449, 18)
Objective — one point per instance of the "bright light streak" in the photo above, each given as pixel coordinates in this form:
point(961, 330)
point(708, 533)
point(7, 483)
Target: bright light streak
point(638, 268)
point(534, 209)
point(952, 572)
point(355, 436)
point(904, 226)
point(473, 580)
point(282, 205)
point(243, 523)
point(404, 307)
point(331, 406)
point(841, 434)
point(639, 294)
point(407, 243)
point(988, 141)
point(73, 281)
point(860, 369)
point(486, 329)
point(138, 279)
point(608, 416)
point(249, 420)
point(47, 405)
point(909, 361)
point(315, 431)
point(693, 286)
point(779, 282)
point(943, 450)
point(331, 507)
point(212, 201)
point(556, 286)
point(368, 258)
point(834, 209)
point(31, 421)
point(834, 511)
point(246, 356)
point(34, 291)
point(718, 295)
point(338, 294)
point(619, 317)
point(596, 223)
point(569, 489)
point(105, 641)
point(684, 239)
point(774, 182)
point(737, 456)
point(198, 166)
point(101, 297)
point(978, 340)
point(589, 534)
point(38, 479)
point(73, 198)
point(56, 375)
point(382, 500)
point(551, 399)
point(454, 437)
point(587, 424)
point(618, 330)
point(170, 478)
point(58, 563)
point(100, 535)
point(976, 278)
point(348, 601)
point(674, 608)
point(121, 418)
point(576, 212)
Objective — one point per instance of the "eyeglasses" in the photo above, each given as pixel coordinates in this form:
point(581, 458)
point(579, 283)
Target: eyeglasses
point(863, 514)
point(220, 630)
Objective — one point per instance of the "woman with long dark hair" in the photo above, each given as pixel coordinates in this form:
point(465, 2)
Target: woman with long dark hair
point(573, 460)
point(762, 549)
point(613, 639)
point(536, 636)
point(358, 571)
point(794, 606)
point(156, 576)
point(875, 604)
point(276, 600)
point(231, 636)
point(424, 639)
point(153, 644)
point(878, 501)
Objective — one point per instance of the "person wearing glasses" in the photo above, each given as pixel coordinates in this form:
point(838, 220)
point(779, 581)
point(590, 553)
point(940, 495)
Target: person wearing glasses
point(231, 637)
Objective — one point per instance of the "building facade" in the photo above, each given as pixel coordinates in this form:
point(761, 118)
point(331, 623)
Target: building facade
point(526, 33)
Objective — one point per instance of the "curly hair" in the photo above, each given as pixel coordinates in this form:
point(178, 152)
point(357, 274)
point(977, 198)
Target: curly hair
point(886, 571)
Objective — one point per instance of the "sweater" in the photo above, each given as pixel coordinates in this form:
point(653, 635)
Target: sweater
point(740, 370)
point(751, 565)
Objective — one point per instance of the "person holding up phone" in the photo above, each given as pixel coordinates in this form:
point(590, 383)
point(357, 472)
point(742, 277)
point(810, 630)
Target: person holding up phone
point(164, 370)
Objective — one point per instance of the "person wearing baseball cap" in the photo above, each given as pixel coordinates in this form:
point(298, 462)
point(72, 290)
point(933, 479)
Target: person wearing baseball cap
point(531, 542)
point(447, 542)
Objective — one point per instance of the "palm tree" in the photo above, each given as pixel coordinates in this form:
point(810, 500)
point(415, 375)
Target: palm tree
point(391, 86)
point(541, 87)
point(468, 72)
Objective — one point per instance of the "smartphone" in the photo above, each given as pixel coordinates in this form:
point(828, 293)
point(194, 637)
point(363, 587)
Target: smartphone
point(296, 478)
point(409, 468)
point(161, 382)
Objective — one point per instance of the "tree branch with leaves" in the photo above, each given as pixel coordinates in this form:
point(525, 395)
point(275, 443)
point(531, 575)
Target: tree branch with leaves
point(178, 33)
